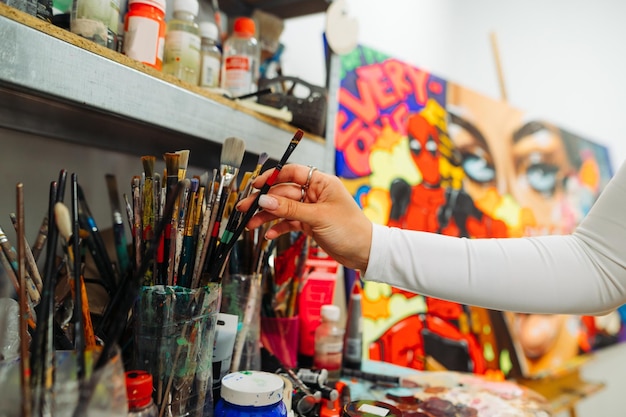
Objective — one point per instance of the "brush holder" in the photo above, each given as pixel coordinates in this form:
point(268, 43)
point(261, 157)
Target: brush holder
point(107, 395)
point(174, 335)
point(241, 296)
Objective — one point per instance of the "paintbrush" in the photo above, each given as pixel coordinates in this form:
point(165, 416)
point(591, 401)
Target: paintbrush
point(11, 255)
point(231, 158)
point(31, 264)
point(178, 233)
point(203, 231)
point(135, 188)
point(23, 308)
point(230, 238)
point(245, 190)
point(119, 234)
point(172, 164)
point(183, 161)
point(187, 251)
point(42, 348)
point(71, 247)
point(40, 240)
point(95, 243)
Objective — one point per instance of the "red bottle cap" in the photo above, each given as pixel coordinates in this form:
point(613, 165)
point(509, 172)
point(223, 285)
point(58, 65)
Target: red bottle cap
point(138, 388)
point(244, 25)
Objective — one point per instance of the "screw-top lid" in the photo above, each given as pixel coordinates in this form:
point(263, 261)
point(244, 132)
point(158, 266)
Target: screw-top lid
point(330, 312)
point(138, 388)
point(159, 4)
point(252, 388)
point(208, 30)
point(189, 6)
point(244, 26)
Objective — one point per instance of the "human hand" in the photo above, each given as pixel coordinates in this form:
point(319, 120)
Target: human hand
point(324, 210)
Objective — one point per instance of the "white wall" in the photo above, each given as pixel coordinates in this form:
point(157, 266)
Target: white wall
point(563, 60)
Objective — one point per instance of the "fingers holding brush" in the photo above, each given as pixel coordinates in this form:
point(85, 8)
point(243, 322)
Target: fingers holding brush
point(328, 212)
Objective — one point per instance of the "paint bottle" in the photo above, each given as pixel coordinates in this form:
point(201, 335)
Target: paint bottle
point(181, 57)
point(139, 394)
point(329, 342)
point(240, 67)
point(251, 394)
point(353, 342)
point(144, 31)
point(211, 63)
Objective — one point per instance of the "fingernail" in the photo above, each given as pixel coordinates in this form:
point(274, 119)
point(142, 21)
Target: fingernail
point(268, 202)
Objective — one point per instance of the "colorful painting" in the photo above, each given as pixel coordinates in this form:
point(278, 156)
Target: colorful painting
point(422, 153)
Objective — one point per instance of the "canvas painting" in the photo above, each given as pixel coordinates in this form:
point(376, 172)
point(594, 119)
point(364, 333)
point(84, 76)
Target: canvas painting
point(420, 152)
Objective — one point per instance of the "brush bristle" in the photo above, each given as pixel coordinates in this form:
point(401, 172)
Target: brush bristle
point(204, 179)
point(232, 152)
point(63, 220)
point(184, 158)
point(148, 165)
point(172, 163)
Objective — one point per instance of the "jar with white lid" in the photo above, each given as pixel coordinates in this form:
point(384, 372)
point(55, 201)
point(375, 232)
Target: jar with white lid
point(251, 394)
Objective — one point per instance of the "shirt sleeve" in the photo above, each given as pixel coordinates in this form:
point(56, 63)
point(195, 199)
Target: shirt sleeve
point(581, 273)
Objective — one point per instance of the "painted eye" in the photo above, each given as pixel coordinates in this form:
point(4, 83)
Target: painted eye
point(542, 177)
point(478, 168)
point(431, 146)
point(415, 145)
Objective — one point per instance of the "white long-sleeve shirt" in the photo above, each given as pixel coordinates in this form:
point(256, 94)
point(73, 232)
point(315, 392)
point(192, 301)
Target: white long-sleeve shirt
point(581, 273)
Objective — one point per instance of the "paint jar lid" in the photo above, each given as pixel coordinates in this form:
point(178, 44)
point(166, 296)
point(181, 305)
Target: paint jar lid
point(245, 26)
point(189, 6)
point(330, 312)
point(159, 4)
point(252, 388)
point(138, 388)
point(208, 30)
point(368, 408)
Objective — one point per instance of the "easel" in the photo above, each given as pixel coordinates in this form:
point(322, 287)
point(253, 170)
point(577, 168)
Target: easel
point(564, 388)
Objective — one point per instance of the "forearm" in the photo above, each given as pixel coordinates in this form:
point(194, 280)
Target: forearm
point(550, 274)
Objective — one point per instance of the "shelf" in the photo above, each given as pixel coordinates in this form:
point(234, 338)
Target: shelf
point(284, 9)
point(56, 84)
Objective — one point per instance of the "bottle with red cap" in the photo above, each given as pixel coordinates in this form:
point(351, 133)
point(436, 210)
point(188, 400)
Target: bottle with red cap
point(139, 394)
point(240, 59)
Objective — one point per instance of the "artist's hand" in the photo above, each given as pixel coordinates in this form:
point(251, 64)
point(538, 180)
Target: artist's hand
point(324, 210)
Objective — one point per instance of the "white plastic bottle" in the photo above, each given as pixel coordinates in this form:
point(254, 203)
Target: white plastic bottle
point(211, 62)
point(241, 57)
point(181, 57)
point(329, 342)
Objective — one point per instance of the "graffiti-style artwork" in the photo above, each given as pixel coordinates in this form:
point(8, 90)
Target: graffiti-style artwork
point(419, 152)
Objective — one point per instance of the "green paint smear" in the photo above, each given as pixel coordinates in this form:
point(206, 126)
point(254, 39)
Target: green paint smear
point(505, 362)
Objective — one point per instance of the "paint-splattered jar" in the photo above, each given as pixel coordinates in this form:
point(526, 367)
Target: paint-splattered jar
point(251, 394)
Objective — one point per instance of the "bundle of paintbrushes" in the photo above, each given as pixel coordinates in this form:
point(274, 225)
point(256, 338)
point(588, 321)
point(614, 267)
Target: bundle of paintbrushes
point(58, 346)
point(204, 228)
point(186, 234)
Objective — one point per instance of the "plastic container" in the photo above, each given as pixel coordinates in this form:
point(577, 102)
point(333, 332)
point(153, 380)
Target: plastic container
point(211, 61)
point(91, 19)
point(139, 393)
point(329, 342)
point(251, 394)
point(144, 31)
point(241, 57)
point(181, 57)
